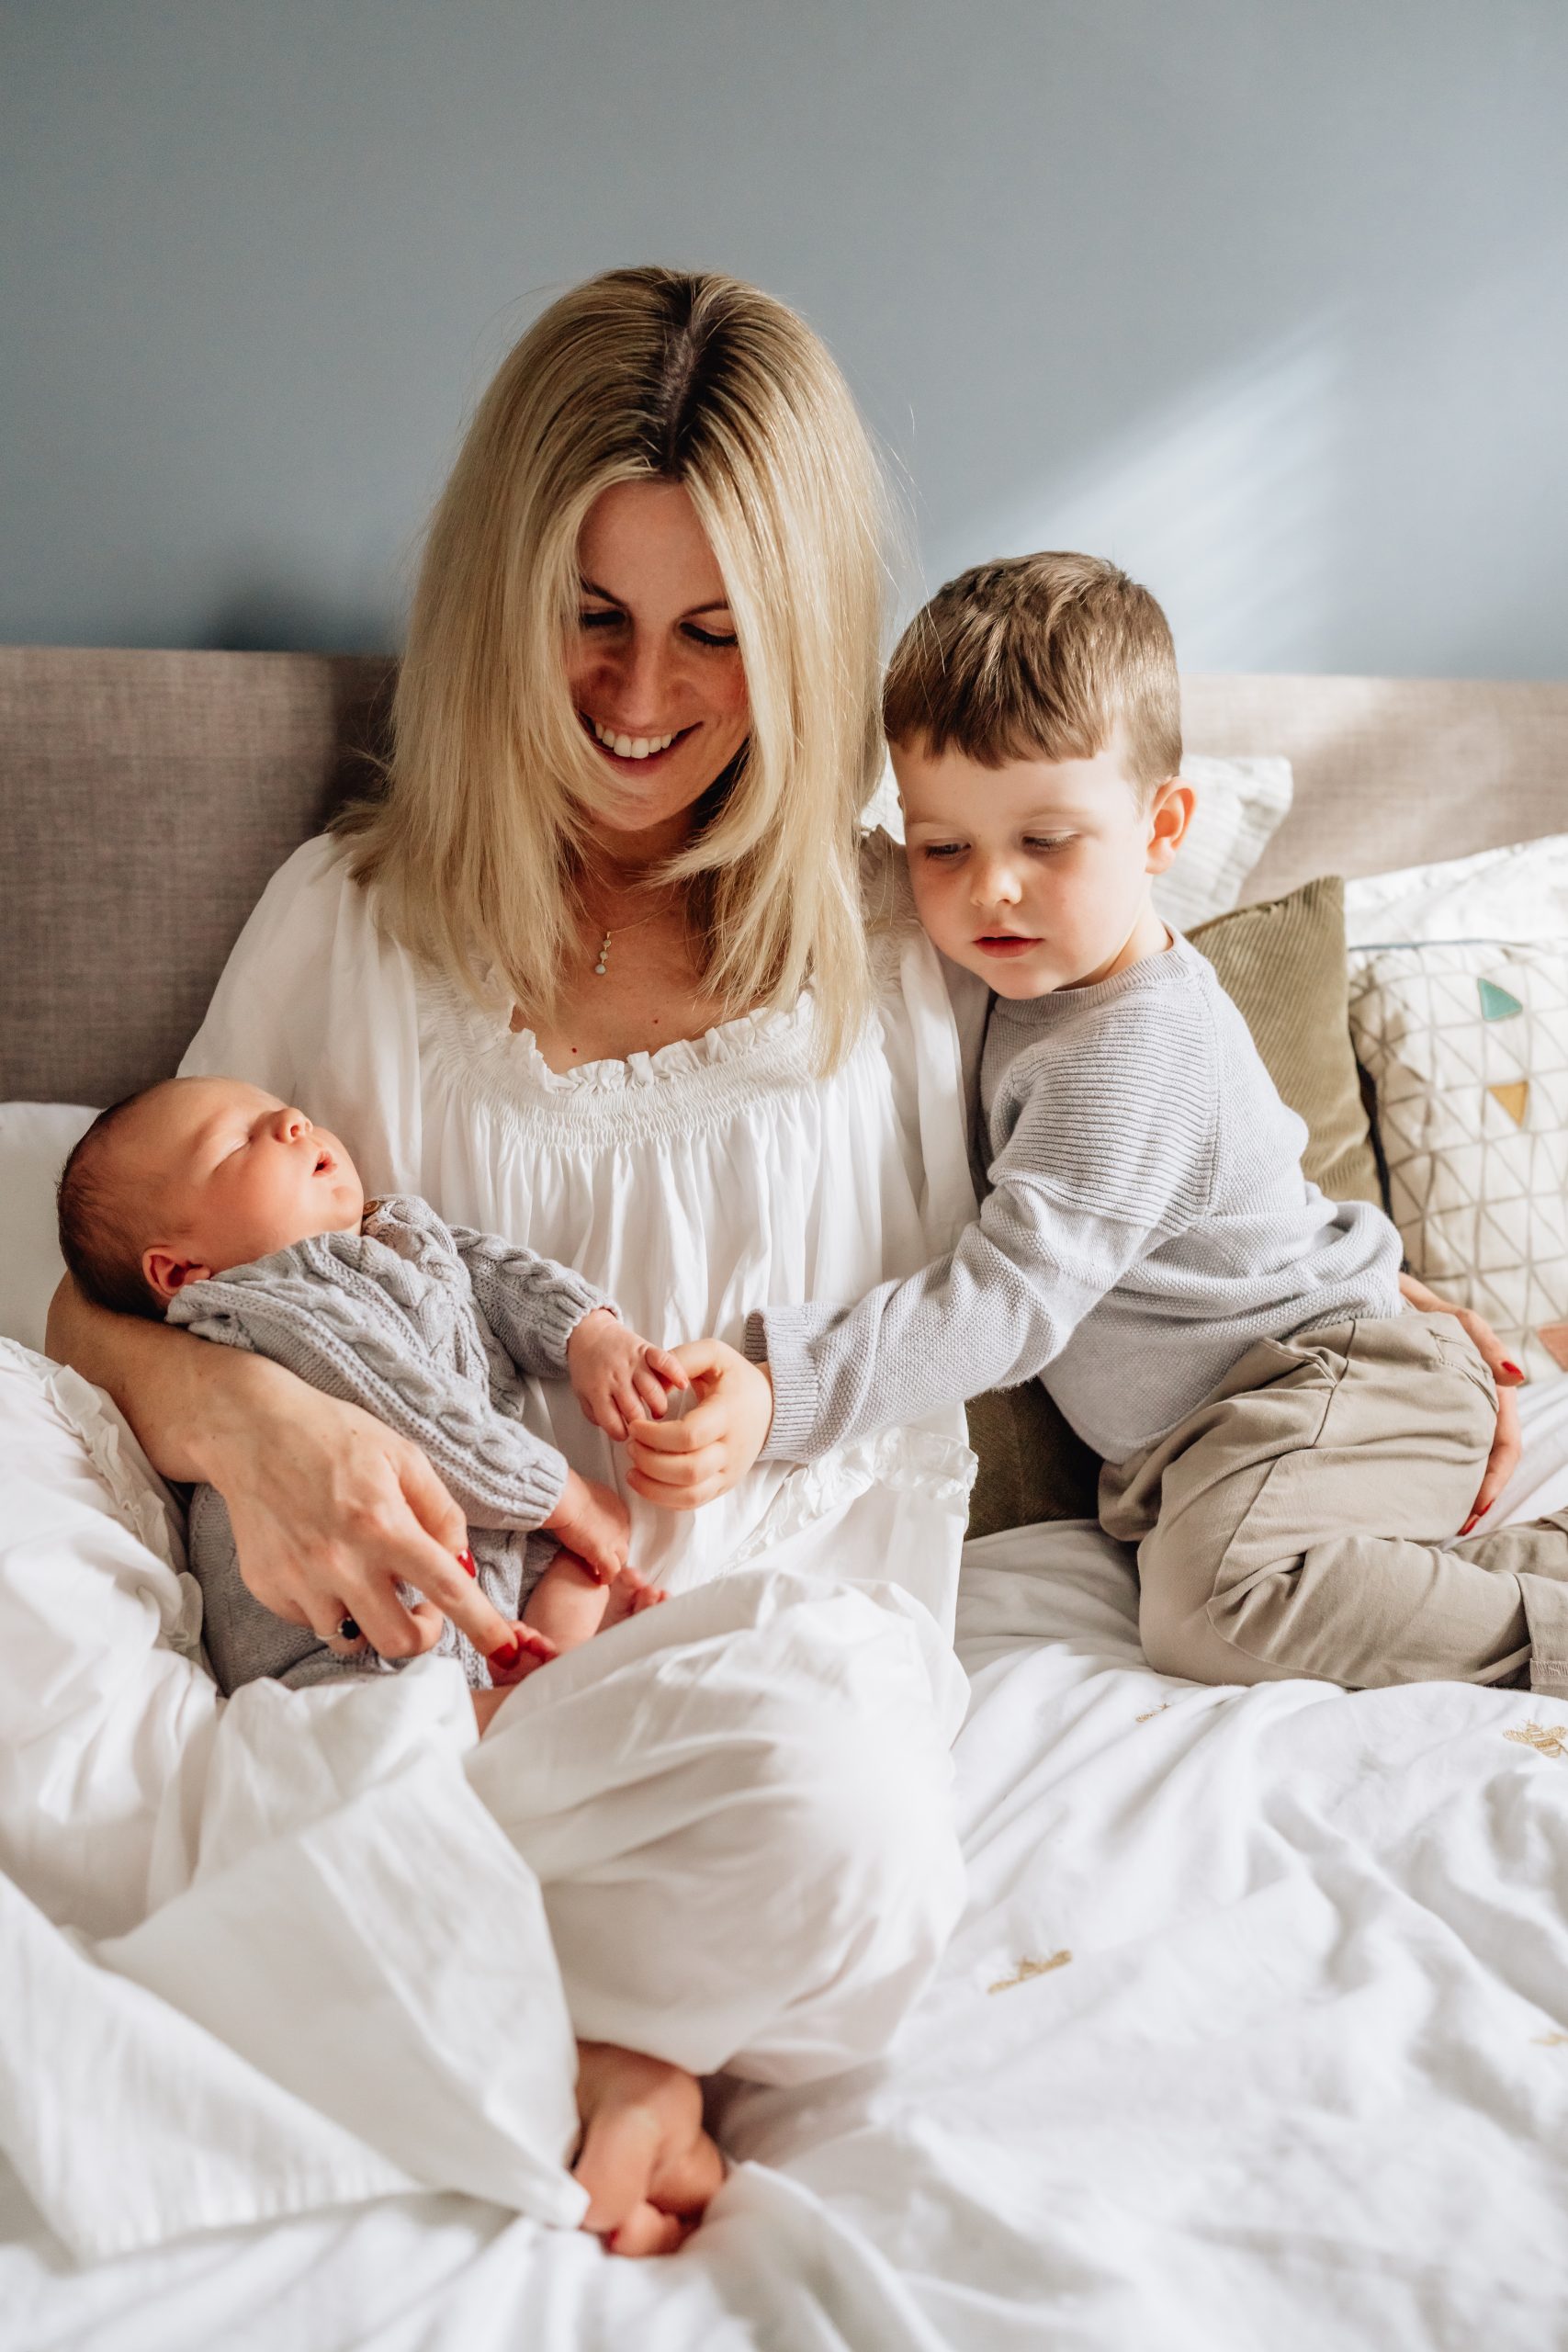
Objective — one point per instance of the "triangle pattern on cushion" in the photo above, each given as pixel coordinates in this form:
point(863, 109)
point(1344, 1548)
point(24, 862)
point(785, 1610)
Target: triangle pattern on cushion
point(1554, 1337)
point(1497, 1004)
point(1514, 1097)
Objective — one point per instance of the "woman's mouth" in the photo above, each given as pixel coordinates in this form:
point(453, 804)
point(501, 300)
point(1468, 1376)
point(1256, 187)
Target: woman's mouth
point(635, 751)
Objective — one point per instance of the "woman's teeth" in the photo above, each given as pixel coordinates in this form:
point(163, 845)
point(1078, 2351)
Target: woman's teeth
point(630, 747)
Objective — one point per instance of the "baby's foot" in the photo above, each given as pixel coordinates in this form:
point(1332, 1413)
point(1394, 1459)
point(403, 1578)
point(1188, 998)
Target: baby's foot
point(630, 1594)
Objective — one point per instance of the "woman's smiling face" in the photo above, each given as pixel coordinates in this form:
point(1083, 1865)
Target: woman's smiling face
point(653, 665)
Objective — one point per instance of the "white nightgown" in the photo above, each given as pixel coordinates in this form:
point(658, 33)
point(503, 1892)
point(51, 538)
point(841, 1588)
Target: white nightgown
point(692, 1183)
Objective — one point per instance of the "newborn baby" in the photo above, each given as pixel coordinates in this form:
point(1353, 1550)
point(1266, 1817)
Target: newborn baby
point(213, 1204)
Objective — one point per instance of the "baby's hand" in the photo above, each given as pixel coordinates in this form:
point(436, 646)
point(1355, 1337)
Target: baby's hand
point(684, 1463)
point(593, 1521)
point(617, 1377)
point(522, 1655)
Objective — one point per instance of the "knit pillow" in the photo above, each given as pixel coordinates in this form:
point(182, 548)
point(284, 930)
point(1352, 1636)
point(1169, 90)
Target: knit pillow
point(1468, 1047)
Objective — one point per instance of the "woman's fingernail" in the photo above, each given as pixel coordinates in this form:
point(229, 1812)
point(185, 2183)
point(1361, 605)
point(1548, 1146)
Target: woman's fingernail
point(1515, 1370)
point(1470, 1522)
point(466, 1562)
point(609, 2240)
point(506, 1655)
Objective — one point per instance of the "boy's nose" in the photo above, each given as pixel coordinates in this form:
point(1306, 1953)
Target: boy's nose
point(292, 1125)
point(994, 886)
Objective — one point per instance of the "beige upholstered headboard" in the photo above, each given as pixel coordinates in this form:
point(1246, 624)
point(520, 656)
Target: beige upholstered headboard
point(1390, 770)
point(146, 797)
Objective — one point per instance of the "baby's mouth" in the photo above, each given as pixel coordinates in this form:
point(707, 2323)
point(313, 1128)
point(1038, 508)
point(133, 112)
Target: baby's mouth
point(325, 1163)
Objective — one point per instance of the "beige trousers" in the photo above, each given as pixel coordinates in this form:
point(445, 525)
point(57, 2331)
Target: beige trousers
point(1297, 1522)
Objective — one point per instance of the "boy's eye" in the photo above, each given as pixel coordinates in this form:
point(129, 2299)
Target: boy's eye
point(935, 850)
point(1047, 840)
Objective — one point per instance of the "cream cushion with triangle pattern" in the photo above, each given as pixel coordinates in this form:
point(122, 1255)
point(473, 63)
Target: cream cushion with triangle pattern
point(1467, 1046)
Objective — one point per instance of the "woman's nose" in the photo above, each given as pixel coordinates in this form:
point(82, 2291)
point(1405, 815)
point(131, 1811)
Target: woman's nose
point(639, 683)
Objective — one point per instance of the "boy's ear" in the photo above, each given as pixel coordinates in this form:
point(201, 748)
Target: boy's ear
point(1170, 813)
point(168, 1272)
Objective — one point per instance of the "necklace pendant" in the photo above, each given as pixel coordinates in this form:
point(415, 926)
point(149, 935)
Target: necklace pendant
point(602, 964)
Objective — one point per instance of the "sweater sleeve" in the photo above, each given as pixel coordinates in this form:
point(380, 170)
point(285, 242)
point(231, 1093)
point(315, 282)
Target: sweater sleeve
point(496, 1471)
point(531, 1304)
point(1062, 1223)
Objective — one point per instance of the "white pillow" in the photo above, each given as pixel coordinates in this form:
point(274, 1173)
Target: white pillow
point(35, 1140)
point(1241, 806)
point(1467, 1046)
point(1518, 893)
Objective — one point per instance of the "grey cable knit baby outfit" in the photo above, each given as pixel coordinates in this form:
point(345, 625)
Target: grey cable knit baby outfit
point(433, 1329)
point(1149, 1223)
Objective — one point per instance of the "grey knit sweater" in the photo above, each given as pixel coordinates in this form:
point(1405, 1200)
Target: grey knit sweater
point(1148, 1223)
point(433, 1329)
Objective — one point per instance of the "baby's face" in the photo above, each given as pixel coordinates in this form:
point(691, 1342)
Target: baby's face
point(233, 1174)
point(1036, 875)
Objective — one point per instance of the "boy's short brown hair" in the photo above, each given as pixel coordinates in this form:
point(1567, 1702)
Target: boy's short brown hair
point(101, 1235)
point(1039, 657)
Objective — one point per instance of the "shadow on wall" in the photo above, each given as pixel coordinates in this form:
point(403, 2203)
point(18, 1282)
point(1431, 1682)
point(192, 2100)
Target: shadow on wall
point(270, 616)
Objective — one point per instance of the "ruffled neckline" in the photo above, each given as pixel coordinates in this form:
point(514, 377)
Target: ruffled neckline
point(735, 1040)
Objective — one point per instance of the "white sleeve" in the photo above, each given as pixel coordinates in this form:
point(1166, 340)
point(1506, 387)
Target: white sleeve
point(319, 1006)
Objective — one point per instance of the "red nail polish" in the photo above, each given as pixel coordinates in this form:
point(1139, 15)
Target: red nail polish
point(466, 1562)
point(1518, 1369)
point(609, 2240)
point(1470, 1522)
point(506, 1657)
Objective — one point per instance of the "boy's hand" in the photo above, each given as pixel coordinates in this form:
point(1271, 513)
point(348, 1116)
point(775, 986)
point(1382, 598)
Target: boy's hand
point(617, 1377)
point(684, 1463)
point(593, 1521)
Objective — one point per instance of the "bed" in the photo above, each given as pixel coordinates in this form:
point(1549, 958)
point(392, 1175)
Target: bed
point(1255, 2028)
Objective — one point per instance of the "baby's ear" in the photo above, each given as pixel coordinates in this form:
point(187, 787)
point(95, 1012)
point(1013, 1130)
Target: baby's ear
point(167, 1274)
point(1170, 813)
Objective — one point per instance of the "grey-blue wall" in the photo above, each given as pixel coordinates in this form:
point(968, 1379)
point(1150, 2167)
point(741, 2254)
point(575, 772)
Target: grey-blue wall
point(1270, 300)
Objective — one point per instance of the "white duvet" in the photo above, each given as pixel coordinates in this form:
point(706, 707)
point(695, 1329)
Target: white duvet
point(1254, 2032)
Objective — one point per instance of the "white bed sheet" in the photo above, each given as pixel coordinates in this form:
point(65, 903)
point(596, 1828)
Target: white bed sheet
point(1303, 2080)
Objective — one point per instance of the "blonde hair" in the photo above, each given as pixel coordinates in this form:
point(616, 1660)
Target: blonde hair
point(1043, 657)
point(492, 787)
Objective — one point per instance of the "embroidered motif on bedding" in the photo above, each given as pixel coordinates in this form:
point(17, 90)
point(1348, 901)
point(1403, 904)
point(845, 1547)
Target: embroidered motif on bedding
point(1028, 1970)
point(1547, 1740)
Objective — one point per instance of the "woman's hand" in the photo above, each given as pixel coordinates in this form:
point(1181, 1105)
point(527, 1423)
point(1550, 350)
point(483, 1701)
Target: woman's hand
point(331, 1511)
point(1505, 1454)
point(683, 1464)
point(593, 1521)
point(648, 2166)
point(616, 1376)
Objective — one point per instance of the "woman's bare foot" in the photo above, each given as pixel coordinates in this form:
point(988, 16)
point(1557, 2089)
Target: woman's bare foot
point(648, 2166)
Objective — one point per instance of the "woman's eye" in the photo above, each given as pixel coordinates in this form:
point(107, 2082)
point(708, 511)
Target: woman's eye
point(708, 636)
point(600, 617)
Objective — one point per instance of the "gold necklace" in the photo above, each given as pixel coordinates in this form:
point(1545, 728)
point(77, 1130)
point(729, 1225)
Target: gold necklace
point(602, 966)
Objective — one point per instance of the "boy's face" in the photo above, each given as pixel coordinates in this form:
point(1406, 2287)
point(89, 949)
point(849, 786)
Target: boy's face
point(235, 1174)
point(1036, 875)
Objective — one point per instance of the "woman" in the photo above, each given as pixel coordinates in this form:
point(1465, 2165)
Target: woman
point(556, 980)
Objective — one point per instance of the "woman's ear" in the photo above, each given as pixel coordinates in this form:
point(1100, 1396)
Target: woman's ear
point(1170, 813)
point(167, 1274)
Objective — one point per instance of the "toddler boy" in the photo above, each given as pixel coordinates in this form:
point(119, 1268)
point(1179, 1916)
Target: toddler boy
point(215, 1206)
point(1289, 1447)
